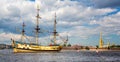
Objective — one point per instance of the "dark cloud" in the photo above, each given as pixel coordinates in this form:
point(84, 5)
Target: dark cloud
point(31, 0)
point(8, 25)
point(106, 3)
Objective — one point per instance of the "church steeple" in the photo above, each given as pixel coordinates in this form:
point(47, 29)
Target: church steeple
point(101, 41)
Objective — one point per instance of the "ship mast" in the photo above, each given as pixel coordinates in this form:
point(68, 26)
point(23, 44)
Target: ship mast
point(55, 32)
point(37, 24)
point(23, 32)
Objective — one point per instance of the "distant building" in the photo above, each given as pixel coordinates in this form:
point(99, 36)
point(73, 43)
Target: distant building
point(2, 46)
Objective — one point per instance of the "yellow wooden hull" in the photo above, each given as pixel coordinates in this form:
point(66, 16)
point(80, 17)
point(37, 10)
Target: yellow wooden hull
point(33, 49)
point(26, 48)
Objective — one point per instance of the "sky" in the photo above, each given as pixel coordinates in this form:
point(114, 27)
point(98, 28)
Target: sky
point(81, 20)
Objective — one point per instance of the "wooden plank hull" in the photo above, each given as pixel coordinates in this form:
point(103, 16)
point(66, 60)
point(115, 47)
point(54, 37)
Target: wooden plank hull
point(29, 48)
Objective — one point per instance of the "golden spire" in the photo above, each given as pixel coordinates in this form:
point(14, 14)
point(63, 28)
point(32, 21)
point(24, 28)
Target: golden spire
point(101, 41)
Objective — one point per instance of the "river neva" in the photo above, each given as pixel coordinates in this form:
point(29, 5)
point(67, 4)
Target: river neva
point(64, 56)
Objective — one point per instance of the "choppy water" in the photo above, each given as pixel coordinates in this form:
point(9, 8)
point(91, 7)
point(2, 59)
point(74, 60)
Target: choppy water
point(63, 56)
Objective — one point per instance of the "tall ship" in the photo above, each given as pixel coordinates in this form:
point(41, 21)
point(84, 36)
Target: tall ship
point(23, 47)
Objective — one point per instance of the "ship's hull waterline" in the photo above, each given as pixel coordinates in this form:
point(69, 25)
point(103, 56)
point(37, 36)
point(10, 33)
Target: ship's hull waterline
point(16, 50)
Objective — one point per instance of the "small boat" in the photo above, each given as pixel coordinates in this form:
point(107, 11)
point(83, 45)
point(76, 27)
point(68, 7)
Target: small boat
point(23, 47)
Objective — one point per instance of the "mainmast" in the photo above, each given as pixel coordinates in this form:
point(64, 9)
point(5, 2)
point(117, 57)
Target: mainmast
point(55, 32)
point(23, 32)
point(37, 24)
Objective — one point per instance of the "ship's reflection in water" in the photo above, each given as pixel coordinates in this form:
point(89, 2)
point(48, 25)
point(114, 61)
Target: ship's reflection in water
point(63, 56)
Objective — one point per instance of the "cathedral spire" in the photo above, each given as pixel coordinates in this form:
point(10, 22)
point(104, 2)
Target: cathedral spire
point(101, 41)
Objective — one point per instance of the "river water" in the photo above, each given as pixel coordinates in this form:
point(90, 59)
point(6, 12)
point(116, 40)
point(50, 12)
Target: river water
point(7, 55)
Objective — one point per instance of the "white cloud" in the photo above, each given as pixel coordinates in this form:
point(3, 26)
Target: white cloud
point(90, 12)
point(108, 24)
point(8, 36)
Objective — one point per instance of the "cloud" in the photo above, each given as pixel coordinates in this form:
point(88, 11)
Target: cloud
point(106, 3)
point(108, 24)
point(6, 37)
point(79, 20)
point(32, 0)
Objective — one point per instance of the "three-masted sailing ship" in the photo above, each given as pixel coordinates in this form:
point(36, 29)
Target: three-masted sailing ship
point(21, 47)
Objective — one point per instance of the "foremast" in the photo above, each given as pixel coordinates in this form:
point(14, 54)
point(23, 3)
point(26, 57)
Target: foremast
point(37, 29)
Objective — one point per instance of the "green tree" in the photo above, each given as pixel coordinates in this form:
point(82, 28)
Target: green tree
point(97, 46)
point(87, 48)
point(69, 45)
